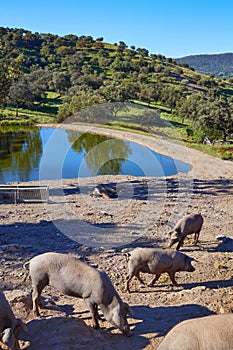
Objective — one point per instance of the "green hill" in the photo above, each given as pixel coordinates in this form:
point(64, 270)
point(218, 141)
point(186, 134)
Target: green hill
point(46, 75)
point(221, 65)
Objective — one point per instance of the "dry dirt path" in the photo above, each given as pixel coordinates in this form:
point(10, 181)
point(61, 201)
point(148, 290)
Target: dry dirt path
point(100, 230)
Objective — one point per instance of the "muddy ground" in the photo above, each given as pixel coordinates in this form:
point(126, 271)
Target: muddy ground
point(100, 230)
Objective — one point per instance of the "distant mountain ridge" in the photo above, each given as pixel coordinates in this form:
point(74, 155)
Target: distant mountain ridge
point(219, 64)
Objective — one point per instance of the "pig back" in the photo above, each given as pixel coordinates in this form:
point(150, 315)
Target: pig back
point(66, 273)
point(141, 255)
point(156, 260)
point(210, 332)
point(190, 223)
point(166, 260)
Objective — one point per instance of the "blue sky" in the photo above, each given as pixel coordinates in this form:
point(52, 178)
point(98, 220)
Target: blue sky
point(173, 28)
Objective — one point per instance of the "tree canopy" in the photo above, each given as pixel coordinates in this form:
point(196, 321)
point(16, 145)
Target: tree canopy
point(85, 71)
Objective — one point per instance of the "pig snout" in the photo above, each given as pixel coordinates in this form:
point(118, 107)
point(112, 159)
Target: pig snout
point(124, 327)
point(126, 330)
point(119, 319)
point(174, 238)
point(189, 266)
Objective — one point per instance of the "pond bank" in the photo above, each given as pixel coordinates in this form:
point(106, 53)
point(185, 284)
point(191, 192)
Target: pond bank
point(203, 166)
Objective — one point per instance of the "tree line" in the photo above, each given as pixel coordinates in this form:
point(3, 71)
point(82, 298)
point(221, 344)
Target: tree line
point(221, 65)
point(86, 71)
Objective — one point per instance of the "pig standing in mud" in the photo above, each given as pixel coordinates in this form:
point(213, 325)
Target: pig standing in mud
point(187, 225)
point(72, 277)
point(157, 261)
point(204, 333)
point(9, 325)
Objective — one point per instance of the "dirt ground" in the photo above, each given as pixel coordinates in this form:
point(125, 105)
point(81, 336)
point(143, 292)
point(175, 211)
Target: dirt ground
point(100, 230)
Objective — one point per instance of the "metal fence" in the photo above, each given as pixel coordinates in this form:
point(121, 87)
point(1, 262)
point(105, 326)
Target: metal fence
point(17, 194)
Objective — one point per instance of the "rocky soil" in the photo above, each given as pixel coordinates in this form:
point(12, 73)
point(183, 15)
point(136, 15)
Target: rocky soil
point(100, 230)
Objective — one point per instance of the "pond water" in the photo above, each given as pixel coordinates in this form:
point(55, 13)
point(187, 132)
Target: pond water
point(29, 154)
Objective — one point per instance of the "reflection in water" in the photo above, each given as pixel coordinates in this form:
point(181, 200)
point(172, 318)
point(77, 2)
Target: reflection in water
point(28, 154)
point(20, 153)
point(102, 154)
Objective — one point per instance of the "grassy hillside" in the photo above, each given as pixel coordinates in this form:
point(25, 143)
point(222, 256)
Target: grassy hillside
point(221, 65)
point(48, 78)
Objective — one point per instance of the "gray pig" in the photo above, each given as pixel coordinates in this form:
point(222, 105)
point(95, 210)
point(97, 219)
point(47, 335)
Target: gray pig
point(157, 261)
point(205, 333)
point(9, 325)
point(72, 277)
point(187, 225)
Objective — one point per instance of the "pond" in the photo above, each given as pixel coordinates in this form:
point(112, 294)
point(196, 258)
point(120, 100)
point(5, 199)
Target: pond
point(30, 154)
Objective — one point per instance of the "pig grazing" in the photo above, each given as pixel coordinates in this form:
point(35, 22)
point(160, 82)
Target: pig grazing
point(187, 225)
point(205, 333)
point(72, 277)
point(156, 262)
point(9, 325)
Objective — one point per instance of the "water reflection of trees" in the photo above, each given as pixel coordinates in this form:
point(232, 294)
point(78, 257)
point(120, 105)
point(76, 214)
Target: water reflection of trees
point(20, 152)
point(103, 155)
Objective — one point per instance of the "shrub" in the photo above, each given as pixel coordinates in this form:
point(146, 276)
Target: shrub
point(227, 155)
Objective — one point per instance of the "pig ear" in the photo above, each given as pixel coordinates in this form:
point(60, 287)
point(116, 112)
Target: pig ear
point(128, 309)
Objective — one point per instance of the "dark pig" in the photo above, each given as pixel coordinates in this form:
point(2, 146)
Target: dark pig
point(187, 225)
point(72, 277)
point(157, 261)
point(204, 333)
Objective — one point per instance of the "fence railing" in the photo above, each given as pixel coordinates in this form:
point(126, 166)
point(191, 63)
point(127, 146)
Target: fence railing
point(20, 193)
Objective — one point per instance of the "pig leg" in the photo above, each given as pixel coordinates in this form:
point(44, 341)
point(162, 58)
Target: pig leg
point(139, 278)
point(172, 277)
point(129, 279)
point(174, 241)
point(152, 282)
point(35, 301)
point(127, 284)
point(94, 313)
point(36, 293)
point(134, 272)
point(196, 237)
point(97, 314)
point(180, 244)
